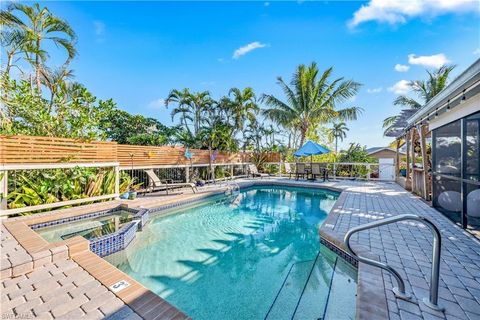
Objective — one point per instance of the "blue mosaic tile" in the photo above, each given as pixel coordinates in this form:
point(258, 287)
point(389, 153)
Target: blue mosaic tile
point(340, 252)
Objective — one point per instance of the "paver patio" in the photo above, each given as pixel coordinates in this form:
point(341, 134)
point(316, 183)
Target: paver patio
point(70, 288)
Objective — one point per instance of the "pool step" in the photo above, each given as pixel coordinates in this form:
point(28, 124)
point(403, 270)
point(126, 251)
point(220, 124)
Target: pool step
point(313, 302)
point(305, 291)
point(287, 298)
point(342, 292)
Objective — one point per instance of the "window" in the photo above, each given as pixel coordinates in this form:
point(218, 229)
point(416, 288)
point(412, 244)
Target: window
point(448, 149)
point(472, 148)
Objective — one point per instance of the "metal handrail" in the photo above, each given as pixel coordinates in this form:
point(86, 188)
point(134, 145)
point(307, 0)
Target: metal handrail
point(399, 291)
point(231, 187)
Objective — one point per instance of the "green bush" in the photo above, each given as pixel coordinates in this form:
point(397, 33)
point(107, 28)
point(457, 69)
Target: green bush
point(36, 187)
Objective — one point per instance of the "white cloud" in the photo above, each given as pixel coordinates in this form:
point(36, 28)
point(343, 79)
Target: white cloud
point(156, 104)
point(477, 52)
point(399, 11)
point(401, 67)
point(375, 90)
point(435, 61)
point(100, 30)
point(246, 49)
point(401, 87)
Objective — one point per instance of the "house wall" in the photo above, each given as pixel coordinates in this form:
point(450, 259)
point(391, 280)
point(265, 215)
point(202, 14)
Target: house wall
point(384, 154)
point(470, 106)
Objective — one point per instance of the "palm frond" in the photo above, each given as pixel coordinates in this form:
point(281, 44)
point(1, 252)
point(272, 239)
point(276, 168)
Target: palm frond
point(405, 101)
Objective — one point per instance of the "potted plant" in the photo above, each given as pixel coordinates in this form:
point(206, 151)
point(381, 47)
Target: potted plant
point(133, 193)
point(125, 185)
point(403, 170)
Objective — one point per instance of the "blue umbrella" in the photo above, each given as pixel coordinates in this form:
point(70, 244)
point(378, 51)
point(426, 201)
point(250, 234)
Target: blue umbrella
point(310, 148)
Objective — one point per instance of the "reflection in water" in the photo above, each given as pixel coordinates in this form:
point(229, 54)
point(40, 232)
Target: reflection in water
point(228, 261)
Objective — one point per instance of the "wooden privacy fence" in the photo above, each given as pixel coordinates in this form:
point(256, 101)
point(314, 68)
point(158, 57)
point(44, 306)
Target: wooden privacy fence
point(42, 153)
point(35, 150)
point(145, 156)
point(31, 150)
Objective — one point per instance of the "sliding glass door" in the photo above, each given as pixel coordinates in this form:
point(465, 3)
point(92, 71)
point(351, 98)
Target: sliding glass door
point(456, 171)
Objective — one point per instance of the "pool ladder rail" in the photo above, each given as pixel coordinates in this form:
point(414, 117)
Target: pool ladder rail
point(399, 291)
point(233, 188)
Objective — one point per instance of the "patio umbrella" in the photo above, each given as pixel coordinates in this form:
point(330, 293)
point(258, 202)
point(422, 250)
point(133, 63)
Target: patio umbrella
point(310, 148)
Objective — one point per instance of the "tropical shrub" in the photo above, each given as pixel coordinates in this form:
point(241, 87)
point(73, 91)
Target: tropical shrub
point(72, 114)
point(259, 159)
point(36, 187)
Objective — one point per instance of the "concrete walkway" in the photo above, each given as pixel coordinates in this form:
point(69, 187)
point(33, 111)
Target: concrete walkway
point(407, 246)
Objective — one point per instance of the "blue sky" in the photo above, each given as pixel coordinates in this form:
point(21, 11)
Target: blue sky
point(135, 52)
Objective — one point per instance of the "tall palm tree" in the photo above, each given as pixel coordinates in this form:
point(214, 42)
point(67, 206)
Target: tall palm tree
point(200, 103)
point(192, 107)
point(338, 131)
point(244, 108)
point(311, 99)
point(425, 89)
point(14, 42)
point(39, 28)
point(182, 99)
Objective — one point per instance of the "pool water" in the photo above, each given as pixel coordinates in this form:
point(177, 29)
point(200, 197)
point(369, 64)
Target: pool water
point(258, 257)
point(88, 228)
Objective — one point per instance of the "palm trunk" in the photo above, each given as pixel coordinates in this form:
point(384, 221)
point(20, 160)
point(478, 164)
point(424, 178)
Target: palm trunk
point(212, 174)
point(9, 65)
point(303, 134)
point(6, 77)
point(37, 72)
point(336, 145)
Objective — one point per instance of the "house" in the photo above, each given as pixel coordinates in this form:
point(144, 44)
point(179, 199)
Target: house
point(450, 172)
point(384, 153)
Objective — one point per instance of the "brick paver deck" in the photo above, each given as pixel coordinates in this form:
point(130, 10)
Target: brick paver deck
point(60, 289)
point(407, 247)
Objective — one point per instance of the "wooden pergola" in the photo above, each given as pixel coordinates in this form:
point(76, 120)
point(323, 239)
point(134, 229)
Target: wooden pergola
point(418, 177)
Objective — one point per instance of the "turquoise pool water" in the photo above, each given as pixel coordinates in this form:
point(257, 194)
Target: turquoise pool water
point(258, 257)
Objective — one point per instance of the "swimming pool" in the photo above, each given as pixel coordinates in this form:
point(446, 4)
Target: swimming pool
point(258, 257)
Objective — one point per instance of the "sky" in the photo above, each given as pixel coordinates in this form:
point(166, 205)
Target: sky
point(136, 52)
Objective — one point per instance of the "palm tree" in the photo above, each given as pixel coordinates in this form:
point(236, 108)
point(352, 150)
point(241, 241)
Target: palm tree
point(14, 42)
point(55, 81)
point(182, 99)
point(41, 26)
point(426, 90)
point(200, 103)
point(338, 131)
point(191, 106)
point(243, 106)
point(311, 100)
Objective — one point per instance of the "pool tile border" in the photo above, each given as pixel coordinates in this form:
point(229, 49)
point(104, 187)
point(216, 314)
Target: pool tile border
point(84, 217)
point(339, 252)
point(109, 243)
